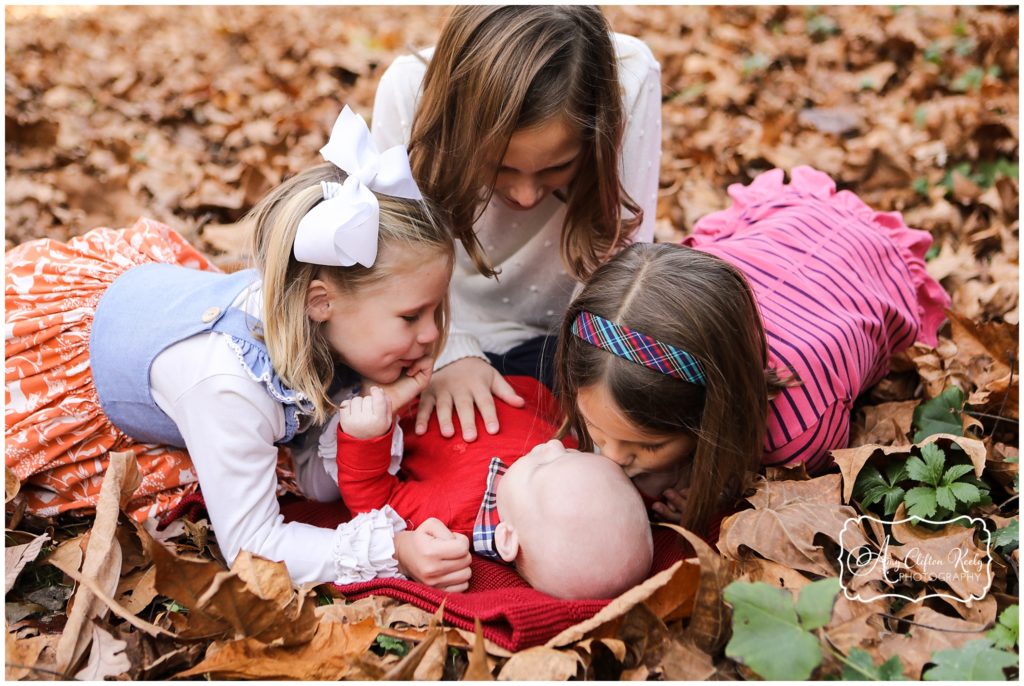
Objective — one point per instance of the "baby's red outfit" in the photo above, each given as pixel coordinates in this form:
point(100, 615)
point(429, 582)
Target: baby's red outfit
point(443, 477)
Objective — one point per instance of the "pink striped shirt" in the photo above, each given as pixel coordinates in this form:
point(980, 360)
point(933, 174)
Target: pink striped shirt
point(840, 287)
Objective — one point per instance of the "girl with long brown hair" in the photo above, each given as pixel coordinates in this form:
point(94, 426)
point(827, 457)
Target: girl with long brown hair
point(692, 364)
point(537, 130)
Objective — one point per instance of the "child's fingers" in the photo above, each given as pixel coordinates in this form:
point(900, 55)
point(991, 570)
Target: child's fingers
point(378, 401)
point(423, 413)
point(424, 365)
point(674, 498)
point(444, 415)
point(667, 513)
point(436, 529)
point(503, 390)
point(456, 581)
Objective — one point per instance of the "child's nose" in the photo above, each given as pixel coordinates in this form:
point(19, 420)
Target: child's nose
point(526, 192)
point(428, 332)
point(615, 452)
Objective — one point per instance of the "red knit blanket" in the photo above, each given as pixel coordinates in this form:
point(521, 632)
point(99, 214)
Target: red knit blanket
point(513, 615)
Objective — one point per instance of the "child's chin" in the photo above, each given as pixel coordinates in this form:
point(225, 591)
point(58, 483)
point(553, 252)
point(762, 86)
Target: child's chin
point(385, 376)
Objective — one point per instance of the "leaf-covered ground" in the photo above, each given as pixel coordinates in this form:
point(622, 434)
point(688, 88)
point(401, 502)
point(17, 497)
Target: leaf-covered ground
point(189, 114)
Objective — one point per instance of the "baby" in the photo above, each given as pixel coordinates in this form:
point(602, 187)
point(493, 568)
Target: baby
point(572, 523)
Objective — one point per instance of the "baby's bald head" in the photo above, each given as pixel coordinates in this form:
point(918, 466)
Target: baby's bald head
point(574, 524)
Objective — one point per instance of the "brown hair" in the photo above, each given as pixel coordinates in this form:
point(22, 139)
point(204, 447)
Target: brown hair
point(501, 69)
point(703, 305)
point(298, 349)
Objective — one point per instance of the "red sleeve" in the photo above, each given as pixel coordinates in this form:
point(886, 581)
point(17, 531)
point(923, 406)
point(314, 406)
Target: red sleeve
point(365, 484)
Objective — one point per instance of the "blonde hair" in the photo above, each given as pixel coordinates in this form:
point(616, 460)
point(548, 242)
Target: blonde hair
point(501, 69)
point(298, 349)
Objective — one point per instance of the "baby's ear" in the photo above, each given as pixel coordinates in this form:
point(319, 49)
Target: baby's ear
point(506, 540)
point(318, 301)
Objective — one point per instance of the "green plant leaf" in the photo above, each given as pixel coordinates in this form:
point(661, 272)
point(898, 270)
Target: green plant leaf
point(917, 469)
point(814, 605)
point(921, 501)
point(1006, 633)
point(974, 661)
point(871, 486)
point(1007, 539)
point(892, 670)
point(955, 472)
point(860, 667)
point(391, 644)
point(944, 497)
point(965, 492)
point(970, 80)
point(941, 414)
point(935, 458)
point(896, 471)
point(929, 467)
point(767, 635)
point(893, 499)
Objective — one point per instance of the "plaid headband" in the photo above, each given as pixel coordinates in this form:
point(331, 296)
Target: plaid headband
point(638, 347)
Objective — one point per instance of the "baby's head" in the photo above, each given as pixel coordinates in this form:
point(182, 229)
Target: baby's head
point(573, 524)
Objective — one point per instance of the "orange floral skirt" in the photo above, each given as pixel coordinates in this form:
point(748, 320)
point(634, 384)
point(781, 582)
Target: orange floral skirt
point(56, 436)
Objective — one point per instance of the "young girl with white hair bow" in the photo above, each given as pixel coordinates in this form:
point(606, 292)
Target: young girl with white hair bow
point(130, 340)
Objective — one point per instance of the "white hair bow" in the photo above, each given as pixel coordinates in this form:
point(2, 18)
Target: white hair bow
point(342, 230)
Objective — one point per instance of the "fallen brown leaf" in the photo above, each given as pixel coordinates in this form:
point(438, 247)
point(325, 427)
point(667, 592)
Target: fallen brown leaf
point(102, 561)
point(327, 657)
point(681, 579)
point(219, 601)
point(11, 484)
point(786, 518)
point(949, 555)
point(21, 656)
point(405, 670)
point(17, 556)
point(266, 579)
point(106, 657)
point(884, 424)
point(540, 663)
point(933, 631)
point(708, 625)
point(988, 351)
point(431, 665)
point(479, 667)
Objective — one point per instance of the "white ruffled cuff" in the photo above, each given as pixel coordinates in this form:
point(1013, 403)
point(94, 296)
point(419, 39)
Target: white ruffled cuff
point(364, 548)
point(457, 346)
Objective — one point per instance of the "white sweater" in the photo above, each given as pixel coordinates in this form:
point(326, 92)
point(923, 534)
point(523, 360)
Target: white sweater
point(533, 290)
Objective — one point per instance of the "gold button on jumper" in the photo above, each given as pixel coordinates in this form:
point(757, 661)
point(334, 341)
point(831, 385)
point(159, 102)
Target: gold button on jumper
point(210, 314)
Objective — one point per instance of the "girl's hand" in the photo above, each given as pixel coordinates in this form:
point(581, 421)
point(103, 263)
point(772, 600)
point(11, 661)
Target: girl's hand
point(434, 556)
point(366, 416)
point(465, 384)
point(671, 510)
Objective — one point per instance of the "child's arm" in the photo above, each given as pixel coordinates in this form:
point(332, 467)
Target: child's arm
point(641, 141)
point(363, 461)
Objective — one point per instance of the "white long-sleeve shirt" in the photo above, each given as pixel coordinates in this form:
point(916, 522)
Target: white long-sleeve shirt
point(230, 424)
point(534, 290)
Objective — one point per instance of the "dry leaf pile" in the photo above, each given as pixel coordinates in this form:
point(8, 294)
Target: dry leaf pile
point(189, 115)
